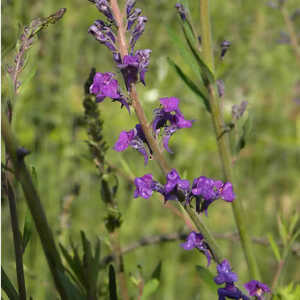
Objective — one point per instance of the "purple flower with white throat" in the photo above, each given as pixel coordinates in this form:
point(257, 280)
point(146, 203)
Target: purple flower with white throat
point(170, 118)
point(257, 289)
point(135, 139)
point(105, 86)
point(196, 240)
point(174, 185)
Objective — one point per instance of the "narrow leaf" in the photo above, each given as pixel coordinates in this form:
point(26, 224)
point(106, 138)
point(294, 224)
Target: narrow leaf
point(207, 277)
point(274, 247)
point(193, 86)
point(8, 287)
point(112, 283)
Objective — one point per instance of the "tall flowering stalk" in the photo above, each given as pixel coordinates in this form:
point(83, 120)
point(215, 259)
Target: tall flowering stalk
point(193, 198)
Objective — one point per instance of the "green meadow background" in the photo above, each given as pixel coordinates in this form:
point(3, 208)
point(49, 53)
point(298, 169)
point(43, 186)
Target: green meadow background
point(258, 68)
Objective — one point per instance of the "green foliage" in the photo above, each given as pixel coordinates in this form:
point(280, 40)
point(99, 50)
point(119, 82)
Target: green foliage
point(112, 283)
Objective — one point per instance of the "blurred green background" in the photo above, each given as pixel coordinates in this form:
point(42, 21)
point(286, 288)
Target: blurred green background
point(258, 68)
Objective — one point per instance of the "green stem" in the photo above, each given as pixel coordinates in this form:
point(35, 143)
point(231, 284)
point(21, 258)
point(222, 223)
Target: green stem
point(222, 141)
point(35, 206)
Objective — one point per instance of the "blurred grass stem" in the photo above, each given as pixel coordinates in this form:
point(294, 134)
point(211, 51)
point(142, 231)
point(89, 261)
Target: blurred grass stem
point(35, 206)
point(225, 156)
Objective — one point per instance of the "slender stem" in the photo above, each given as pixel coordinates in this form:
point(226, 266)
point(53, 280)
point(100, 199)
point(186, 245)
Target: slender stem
point(159, 158)
point(292, 33)
point(35, 206)
point(17, 240)
point(222, 141)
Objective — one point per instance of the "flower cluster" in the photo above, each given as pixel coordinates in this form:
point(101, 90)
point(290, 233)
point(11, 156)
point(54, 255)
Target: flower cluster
point(204, 190)
point(132, 66)
point(135, 138)
point(225, 275)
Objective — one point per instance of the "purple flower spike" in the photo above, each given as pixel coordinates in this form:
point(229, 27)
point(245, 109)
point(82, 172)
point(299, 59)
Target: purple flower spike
point(196, 240)
point(143, 186)
point(224, 273)
point(257, 289)
point(124, 140)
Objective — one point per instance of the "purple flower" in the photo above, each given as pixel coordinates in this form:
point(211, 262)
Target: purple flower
point(224, 273)
point(232, 292)
point(138, 30)
point(133, 65)
point(144, 60)
point(145, 185)
point(224, 47)
point(175, 184)
point(103, 33)
point(169, 113)
point(256, 288)
point(105, 86)
point(104, 7)
point(208, 190)
point(134, 138)
point(196, 240)
point(181, 11)
point(133, 17)
point(238, 110)
point(129, 69)
point(129, 6)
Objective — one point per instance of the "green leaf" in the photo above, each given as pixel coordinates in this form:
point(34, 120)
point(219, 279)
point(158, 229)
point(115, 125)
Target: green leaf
point(207, 277)
point(157, 271)
point(206, 73)
point(150, 287)
point(293, 222)
point(27, 231)
point(193, 86)
point(72, 290)
point(8, 287)
point(274, 247)
point(179, 44)
point(112, 283)
point(282, 231)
